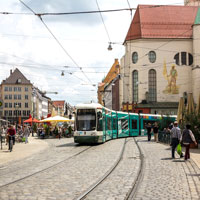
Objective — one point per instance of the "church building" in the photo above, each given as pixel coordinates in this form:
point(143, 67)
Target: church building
point(162, 58)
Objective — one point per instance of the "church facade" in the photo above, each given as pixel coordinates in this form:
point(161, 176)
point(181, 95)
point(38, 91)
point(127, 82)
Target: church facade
point(162, 58)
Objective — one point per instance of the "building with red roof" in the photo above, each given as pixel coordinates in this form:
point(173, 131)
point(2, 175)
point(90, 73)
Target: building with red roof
point(161, 61)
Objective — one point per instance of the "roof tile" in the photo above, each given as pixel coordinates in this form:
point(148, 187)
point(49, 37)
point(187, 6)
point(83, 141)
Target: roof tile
point(162, 22)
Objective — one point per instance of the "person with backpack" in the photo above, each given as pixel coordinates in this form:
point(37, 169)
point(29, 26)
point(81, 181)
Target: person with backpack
point(187, 139)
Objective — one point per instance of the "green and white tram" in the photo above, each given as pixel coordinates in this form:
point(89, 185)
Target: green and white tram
point(96, 124)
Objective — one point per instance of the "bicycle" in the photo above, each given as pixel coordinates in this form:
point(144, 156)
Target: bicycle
point(11, 139)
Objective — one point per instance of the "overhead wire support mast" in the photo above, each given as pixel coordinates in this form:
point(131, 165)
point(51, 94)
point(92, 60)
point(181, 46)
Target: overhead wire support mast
point(56, 39)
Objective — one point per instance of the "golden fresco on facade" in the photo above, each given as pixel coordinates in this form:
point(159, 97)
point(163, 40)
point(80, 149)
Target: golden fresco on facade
point(171, 78)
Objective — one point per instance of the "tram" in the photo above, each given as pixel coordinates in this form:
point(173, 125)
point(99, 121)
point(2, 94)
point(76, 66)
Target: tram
point(96, 124)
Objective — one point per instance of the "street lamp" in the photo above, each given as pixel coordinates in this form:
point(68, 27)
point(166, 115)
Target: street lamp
point(16, 108)
point(109, 47)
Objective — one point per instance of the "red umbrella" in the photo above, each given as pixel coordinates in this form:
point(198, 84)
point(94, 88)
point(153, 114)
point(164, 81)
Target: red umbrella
point(30, 120)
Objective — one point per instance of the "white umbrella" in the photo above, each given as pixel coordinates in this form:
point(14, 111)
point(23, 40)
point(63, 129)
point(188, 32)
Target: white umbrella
point(56, 119)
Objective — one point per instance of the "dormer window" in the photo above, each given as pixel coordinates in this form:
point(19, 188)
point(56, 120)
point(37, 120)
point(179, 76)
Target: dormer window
point(19, 80)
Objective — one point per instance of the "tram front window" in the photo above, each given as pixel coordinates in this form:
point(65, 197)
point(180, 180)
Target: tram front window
point(86, 120)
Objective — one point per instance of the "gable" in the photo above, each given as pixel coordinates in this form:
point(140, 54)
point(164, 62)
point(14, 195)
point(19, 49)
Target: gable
point(15, 76)
point(162, 22)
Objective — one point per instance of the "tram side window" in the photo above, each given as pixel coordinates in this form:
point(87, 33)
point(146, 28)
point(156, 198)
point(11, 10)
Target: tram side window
point(114, 124)
point(108, 123)
point(134, 124)
point(100, 125)
point(124, 124)
point(99, 122)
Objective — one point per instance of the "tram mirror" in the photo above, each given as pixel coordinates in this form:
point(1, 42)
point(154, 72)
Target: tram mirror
point(99, 115)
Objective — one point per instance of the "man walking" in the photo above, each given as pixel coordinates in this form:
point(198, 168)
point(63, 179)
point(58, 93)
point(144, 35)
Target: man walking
point(175, 137)
point(149, 130)
point(155, 132)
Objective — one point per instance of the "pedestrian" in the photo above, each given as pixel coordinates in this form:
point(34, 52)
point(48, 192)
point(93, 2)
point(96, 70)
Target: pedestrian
point(175, 137)
point(59, 132)
point(42, 133)
point(11, 134)
point(149, 130)
point(155, 131)
point(187, 139)
point(26, 133)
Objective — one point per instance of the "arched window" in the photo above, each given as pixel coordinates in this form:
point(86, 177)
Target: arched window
point(152, 86)
point(135, 85)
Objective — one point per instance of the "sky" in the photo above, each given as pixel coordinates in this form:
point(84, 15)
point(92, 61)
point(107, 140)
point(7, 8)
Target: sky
point(74, 44)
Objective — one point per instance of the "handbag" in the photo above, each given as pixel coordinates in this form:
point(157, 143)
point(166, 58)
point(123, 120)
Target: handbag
point(23, 139)
point(179, 149)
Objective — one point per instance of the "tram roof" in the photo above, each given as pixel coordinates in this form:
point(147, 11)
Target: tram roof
point(156, 115)
point(88, 105)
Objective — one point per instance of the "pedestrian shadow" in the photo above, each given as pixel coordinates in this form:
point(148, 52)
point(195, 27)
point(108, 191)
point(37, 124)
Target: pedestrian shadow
point(68, 145)
point(193, 174)
point(6, 151)
point(166, 158)
point(144, 141)
point(178, 160)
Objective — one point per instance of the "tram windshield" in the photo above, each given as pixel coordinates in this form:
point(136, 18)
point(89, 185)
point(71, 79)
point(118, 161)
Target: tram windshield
point(86, 120)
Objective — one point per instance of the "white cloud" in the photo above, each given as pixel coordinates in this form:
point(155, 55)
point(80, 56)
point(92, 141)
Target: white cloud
point(25, 41)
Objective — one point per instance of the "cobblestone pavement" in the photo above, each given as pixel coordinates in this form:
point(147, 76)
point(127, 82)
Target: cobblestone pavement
point(120, 182)
point(64, 181)
point(21, 150)
point(166, 178)
point(58, 150)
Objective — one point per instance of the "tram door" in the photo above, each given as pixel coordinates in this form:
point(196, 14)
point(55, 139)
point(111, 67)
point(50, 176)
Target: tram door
point(123, 125)
point(108, 125)
point(114, 125)
point(134, 125)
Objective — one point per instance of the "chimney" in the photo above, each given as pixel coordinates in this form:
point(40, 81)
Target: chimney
point(10, 71)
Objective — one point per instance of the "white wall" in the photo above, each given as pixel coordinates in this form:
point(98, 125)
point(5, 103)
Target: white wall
point(165, 51)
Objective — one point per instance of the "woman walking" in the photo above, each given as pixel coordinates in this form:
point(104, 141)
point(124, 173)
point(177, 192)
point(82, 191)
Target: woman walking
point(26, 133)
point(187, 139)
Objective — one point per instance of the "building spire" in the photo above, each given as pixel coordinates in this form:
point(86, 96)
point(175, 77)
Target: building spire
point(192, 2)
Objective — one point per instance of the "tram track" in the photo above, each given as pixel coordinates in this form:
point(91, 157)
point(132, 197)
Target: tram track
point(136, 183)
point(95, 185)
point(132, 193)
point(30, 161)
point(45, 169)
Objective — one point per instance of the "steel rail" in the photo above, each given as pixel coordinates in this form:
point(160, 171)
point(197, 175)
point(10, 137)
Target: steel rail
point(133, 191)
point(92, 187)
point(30, 175)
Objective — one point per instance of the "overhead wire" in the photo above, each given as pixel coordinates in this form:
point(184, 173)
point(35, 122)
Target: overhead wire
point(83, 12)
point(56, 40)
point(103, 22)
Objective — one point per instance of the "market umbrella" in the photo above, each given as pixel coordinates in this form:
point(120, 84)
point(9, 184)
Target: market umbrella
point(198, 106)
point(190, 104)
point(30, 120)
point(56, 119)
point(180, 110)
